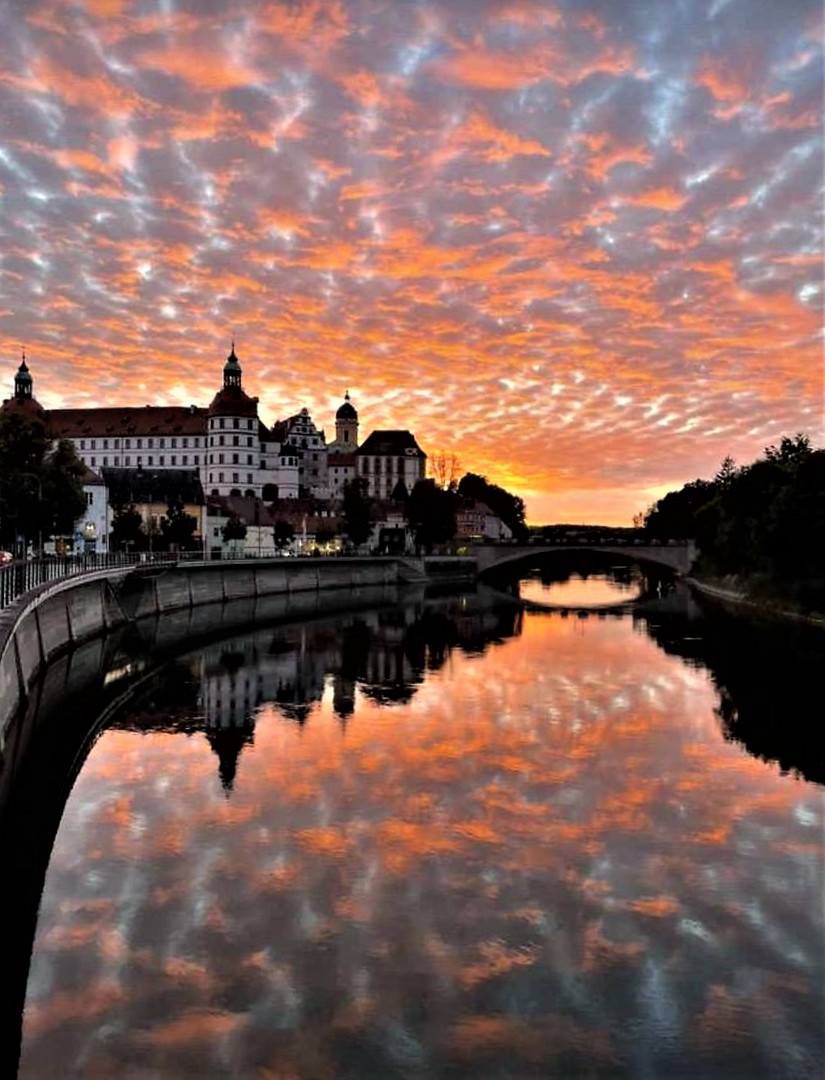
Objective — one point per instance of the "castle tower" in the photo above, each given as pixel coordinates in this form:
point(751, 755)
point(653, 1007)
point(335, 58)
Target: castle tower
point(233, 454)
point(23, 383)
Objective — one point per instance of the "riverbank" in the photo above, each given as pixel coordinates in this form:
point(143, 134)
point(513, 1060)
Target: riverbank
point(741, 593)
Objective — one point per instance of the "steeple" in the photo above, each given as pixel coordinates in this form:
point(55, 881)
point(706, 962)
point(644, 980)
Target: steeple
point(232, 371)
point(23, 381)
point(346, 426)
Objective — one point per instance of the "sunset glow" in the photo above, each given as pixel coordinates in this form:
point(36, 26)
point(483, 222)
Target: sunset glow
point(577, 245)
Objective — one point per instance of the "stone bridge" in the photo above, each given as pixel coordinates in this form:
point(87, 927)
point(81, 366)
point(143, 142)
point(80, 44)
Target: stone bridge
point(675, 556)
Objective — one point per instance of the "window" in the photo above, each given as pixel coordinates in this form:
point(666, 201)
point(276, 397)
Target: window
point(105, 444)
point(116, 444)
point(249, 481)
point(174, 459)
point(236, 423)
point(235, 477)
point(184, 442)
point(220, 440)
point(127, 443)
point(162, 442)
point(174, 442)
point(220, 459)
point(249, 440)
point(220, 477)
point(150, 443)
point(249, 459)
point(197, 459)
point(82, 444)
point(162, 459)
point(234, 459)
point(90, 498)
point(150, 460)
point(235, 440)
point(105, 461)
point(140, 444)
point(185, 459)
point(249, 424)
point(220, 422)
point(127, 460)
point(94, 462)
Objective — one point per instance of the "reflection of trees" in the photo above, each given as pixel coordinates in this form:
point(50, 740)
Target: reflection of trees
point(768, 676)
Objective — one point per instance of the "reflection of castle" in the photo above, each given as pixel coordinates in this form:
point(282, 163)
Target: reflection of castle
point(382, 654)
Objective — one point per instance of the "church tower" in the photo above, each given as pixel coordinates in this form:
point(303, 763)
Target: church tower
point(346, 427)
point(233, 465)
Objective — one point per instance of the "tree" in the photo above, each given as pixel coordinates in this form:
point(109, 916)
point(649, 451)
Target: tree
point(41, 489)
point(127, 532)
point(510, 508)
point(356, 511)
point(431, 514)
point(282, 533)
point(178, 528)
point(234, 529)
point(445, 469)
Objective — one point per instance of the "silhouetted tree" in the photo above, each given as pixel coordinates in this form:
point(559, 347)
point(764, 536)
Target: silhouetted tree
point(510, 508)
point(431, 514)
point(127, 532)
point(178, 528)
point(282, 533)
point(234, 529)
point(356, 511)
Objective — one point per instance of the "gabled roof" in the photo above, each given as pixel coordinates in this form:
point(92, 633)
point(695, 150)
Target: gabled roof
point(391, 442)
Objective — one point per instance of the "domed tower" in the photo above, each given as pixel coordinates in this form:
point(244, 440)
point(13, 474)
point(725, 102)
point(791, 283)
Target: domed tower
point(24, 400)
point(233, 456)
point(346, 427)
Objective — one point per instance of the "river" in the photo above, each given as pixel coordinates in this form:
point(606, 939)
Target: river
point(443, 838)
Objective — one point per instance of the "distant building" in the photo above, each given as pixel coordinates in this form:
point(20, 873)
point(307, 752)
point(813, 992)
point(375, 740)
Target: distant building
point(387, 458)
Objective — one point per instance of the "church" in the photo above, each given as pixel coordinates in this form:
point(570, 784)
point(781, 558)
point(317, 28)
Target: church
point(228, 446)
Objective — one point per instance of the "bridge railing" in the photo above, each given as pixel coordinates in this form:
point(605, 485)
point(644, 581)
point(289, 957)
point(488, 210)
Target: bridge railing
point(23, 575)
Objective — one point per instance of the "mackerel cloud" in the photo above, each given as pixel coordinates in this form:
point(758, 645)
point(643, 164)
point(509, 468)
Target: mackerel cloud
point(577, 245)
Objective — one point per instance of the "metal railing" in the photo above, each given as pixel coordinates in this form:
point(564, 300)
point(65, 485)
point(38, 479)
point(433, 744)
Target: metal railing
point(23, 575)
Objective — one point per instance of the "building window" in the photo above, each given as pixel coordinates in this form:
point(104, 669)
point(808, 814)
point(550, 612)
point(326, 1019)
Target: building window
point(185, 459)
point(128, 460)
point(174, 442)
point(150, 443)
point(197, 459)
point(234, 478)
point(220, 477)
point(220, 459)
point(127, 444)
point(82, 444)
point(249, 478)
point(105, 444)
point(162, 459)
point(236, 423)
point(150, 460)
point(174, 459)
point(249, 424)
point(105, 461)
point(249, 440)
point(220, 440)
point(220, 422)
point(184, 442)
point(116, 444)
point(94, 462)
point(90, 498)
point(249, 459)
point(140, 444)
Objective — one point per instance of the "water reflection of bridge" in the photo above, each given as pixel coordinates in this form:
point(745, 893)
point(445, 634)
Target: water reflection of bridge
point(651, 603)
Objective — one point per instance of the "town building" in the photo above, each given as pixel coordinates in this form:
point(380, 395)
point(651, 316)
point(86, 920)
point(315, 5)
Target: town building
point(389, 458)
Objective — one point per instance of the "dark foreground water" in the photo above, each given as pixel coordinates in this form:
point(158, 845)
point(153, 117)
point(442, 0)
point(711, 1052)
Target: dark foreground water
point(442, 841)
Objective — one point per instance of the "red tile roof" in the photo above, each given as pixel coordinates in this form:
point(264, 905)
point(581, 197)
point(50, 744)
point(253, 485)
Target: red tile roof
point(150, 420)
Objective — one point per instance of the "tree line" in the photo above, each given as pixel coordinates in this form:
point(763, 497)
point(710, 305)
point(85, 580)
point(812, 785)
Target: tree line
point(764, 521)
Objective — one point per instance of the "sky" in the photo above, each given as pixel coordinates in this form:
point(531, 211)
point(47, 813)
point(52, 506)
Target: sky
point(575, 245)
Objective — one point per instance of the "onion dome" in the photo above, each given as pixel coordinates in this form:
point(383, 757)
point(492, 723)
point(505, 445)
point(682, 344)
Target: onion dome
point(24, 400)
point(346, 411)
point(231, 400)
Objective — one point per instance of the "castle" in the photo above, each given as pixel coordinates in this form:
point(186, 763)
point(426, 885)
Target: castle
point(229, 447)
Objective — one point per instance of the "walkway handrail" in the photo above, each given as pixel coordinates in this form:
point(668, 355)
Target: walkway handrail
point(23, 575)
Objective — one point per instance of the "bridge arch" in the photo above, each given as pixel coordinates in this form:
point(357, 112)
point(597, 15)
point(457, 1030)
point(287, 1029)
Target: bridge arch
point(675, 557)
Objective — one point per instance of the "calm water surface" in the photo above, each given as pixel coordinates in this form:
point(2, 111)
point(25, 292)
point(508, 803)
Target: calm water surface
point(435, 841)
